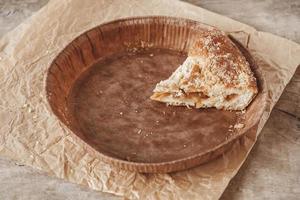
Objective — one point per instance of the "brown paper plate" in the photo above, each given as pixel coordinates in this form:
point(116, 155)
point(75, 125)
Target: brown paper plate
point(99, 87)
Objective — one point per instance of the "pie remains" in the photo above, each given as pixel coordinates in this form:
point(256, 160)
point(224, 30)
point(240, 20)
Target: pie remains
point(215, 74)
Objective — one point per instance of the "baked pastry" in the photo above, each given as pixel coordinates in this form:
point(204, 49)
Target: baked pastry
point(215, 74)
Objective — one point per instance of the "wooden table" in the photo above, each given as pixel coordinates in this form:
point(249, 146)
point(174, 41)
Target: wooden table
point(272, 170)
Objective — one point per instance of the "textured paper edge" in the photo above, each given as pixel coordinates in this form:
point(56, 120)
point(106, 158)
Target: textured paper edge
point(11, 48)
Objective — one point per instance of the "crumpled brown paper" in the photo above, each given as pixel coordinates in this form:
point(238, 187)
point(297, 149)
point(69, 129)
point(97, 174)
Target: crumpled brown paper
point(30, 133)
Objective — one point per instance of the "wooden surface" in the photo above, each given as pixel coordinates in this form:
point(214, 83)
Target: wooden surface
point(272, 170)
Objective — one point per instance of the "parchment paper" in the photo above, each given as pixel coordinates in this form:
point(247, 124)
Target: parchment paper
point(31, 134)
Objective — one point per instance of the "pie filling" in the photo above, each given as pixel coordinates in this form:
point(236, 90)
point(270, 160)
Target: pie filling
point(182, 98)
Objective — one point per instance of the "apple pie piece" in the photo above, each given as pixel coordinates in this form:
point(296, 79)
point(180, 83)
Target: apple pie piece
point(215, 74)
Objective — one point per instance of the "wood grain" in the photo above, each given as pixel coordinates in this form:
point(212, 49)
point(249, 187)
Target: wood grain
point(263, 15)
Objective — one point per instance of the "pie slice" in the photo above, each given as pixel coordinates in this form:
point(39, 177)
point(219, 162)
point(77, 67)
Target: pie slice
point(215, 74)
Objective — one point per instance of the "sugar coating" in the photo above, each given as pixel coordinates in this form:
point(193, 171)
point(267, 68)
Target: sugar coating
point(215, 74)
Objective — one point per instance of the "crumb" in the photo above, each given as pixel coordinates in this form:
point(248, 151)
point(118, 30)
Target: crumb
point(18, 164)
point(121, 113)
point(143, 44)
point(30, 110)
point(184, 145)
point(243, 111)
point(230, 130)
point(164, 112)
point(239, 126)
point(150, 133)
point(142, 61)
point(140, 131)
point(98, 93)
point(136, 111)
point(127, 44)
point(151, 55)
point(157, 121)
point(230, 126)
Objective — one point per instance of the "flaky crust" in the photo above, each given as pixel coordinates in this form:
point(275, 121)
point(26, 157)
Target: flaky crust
point(215, 74)
point(224, 59)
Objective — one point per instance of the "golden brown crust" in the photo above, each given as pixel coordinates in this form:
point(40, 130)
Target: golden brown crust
point(226, 61)
point(215, 74)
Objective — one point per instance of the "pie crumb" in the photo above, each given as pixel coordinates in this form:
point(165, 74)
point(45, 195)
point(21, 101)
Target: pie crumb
point(239, 126)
